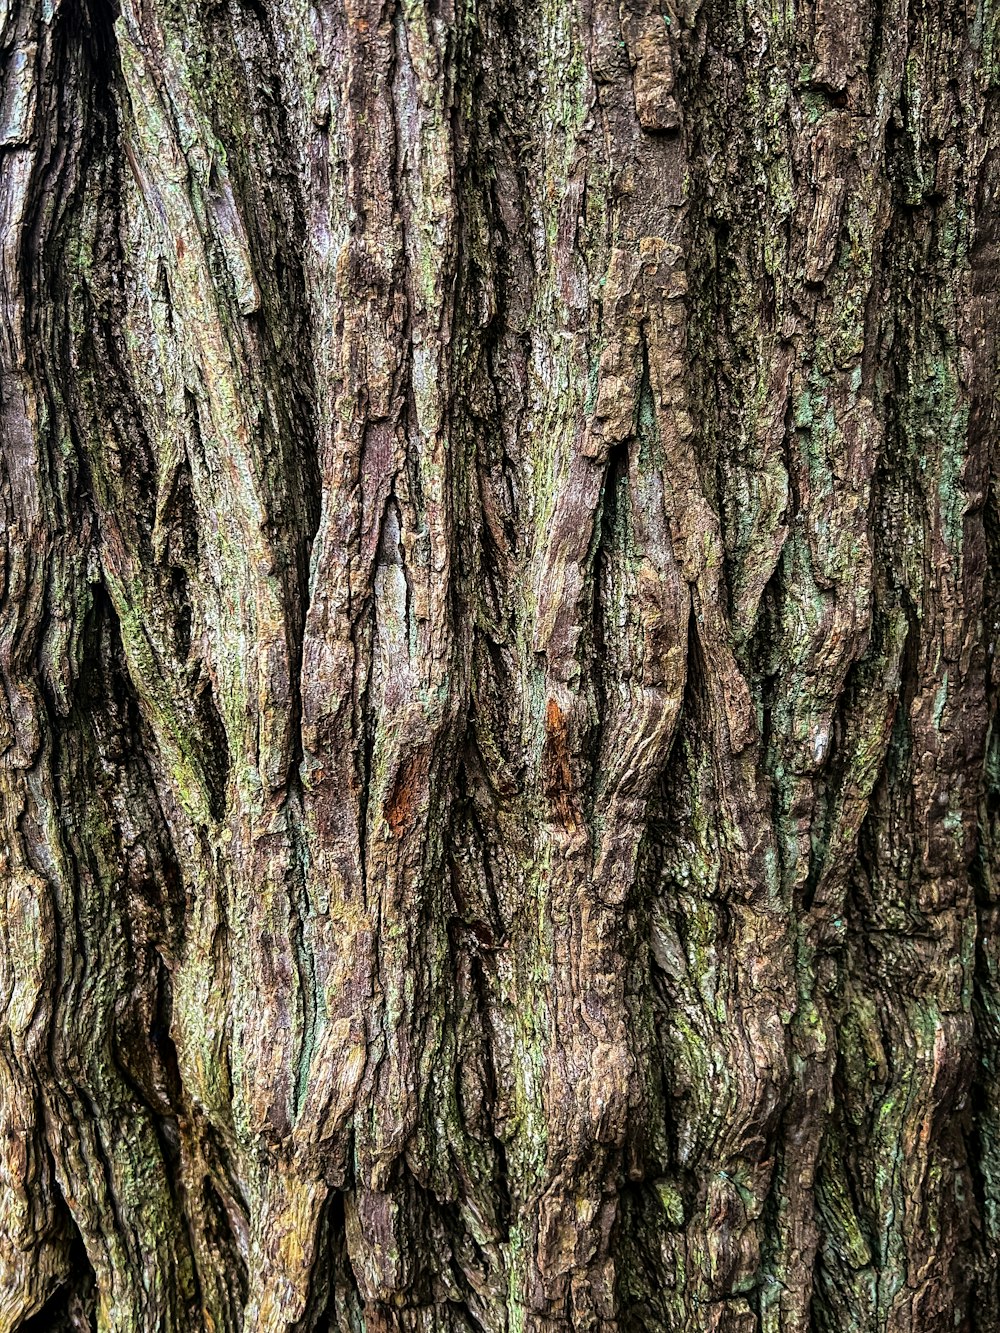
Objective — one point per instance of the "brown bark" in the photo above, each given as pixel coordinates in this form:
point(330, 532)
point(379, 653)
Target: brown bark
point(497, 641)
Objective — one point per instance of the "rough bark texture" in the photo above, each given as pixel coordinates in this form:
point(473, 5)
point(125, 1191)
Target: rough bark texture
point(499, 816)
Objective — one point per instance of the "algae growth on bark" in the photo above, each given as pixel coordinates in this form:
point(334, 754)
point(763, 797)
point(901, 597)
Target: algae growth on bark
point(499, 816)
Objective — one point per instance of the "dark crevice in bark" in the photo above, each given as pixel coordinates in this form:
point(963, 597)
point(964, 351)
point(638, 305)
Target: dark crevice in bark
point(73, 1308)
point(984, 1135)
point(220, 1235)
point(610, 551)
point(217, 760)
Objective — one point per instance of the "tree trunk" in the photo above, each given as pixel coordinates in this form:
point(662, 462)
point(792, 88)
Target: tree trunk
point(500, 820)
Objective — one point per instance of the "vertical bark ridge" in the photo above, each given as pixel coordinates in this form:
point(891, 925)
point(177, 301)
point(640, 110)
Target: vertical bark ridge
point(63, 1106)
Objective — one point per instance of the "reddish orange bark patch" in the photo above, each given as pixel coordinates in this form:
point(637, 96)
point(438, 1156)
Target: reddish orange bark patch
point(410, 781)
point(557, 771)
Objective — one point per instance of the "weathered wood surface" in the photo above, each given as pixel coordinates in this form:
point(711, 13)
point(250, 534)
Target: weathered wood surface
point(497, 624)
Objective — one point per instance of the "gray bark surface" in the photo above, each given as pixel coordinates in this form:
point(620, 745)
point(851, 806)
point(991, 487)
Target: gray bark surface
point(499, 817)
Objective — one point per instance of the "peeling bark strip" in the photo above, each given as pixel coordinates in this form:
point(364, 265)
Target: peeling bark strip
point(498, 618)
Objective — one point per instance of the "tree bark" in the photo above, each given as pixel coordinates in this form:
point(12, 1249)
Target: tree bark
point(500, 535)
